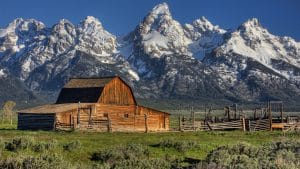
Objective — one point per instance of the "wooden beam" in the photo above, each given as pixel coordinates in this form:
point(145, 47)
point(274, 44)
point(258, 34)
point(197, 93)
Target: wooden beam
point(270, 115)
point(109, 124)
point(146, 123)
point(193, 120)
point(281, 112)
point(244, 124)
point(180, 123)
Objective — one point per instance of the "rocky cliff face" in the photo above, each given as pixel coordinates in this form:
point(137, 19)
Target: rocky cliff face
point(160, 58)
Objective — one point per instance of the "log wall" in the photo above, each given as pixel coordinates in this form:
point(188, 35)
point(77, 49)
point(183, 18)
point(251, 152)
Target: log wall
point(100, 117)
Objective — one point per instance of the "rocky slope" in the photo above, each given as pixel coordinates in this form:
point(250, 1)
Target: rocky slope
point(256, 64)
point(160, 58)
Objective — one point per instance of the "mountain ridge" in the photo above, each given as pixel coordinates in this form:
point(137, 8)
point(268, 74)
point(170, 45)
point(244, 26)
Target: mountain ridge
point(160, 58)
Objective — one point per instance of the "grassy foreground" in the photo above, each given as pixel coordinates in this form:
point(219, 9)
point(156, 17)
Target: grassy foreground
point(90, 142)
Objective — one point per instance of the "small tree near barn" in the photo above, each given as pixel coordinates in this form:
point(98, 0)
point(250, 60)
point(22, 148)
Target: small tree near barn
point(8, 110)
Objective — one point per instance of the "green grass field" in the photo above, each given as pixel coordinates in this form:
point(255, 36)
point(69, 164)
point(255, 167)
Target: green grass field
point(90, 141)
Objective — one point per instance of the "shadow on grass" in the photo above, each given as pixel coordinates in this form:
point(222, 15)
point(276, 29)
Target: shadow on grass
point(191, 160)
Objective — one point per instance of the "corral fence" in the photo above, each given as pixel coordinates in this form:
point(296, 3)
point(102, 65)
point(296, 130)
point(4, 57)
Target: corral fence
point(263, 118)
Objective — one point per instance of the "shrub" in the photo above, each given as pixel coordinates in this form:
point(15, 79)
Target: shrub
point(180, 146)
point(120, 153)
point(20, 143)
point(46, 161)
point(127, 157)
point(132, 156)
point(142, 163)
point(272, 155)
point(43, 146)
point(72, 146)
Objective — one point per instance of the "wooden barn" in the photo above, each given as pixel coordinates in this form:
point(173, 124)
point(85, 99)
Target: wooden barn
point(100, 104)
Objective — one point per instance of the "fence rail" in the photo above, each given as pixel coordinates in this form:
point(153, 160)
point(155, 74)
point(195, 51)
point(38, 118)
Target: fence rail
point(258, 125)
point(202, 125)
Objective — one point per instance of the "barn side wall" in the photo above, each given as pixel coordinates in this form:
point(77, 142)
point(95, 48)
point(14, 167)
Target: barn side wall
point(27, 121)
point(156, 120)
point(116, 92)
point(132, 118)
point(99, 117)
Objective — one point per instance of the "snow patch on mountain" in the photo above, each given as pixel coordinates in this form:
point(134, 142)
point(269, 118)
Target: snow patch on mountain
point(254, 41)
point(94, 39)
point(161, 34)
point(2, 73)
point(204, 36)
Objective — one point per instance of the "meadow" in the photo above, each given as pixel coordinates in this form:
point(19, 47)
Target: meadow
point(174, 149)
point(79, 149)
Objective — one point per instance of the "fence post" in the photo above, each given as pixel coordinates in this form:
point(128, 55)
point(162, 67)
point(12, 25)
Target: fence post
point(270, 115)
point(249, 125)
point(244, 124)
point(281, 112)
point(109, 125)
point(193, 120)
point(146, 123)
point(235, 110)
point(180, 129)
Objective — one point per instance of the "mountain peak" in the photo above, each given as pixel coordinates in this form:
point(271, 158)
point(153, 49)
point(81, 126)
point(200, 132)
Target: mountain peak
point(251, 23)
point(20, 24)
point(203, 25)
point(91, 20)
point(161, 9)
point(63, 24)
point(158, 19)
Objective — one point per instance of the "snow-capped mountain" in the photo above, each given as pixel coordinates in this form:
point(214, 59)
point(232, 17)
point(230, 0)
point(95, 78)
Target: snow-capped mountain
point(159, 58)
point(259, 64)
point(44, 58)
point(204, 36)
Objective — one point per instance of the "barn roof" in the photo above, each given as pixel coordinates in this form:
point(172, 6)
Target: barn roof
point(88, 82)
point(55, 108)
point(84, 90)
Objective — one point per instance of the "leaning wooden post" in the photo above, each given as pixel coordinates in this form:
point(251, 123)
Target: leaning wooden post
point(281, 112)
point(270, 115)
point(235, 111)
point(243, 123)
point(180, 128)
point(193, 120)
point(205, 113)
point(249, 124)
point(146, 123)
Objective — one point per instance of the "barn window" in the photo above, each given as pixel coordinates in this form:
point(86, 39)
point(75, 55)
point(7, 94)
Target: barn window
point(105, 114)
point(126, 115)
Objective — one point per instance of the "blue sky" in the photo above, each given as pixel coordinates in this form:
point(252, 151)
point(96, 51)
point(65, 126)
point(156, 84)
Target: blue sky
point(281, 17)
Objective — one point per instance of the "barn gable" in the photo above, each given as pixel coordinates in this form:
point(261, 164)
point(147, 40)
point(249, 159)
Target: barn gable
point(107, 90)
point(117, 92)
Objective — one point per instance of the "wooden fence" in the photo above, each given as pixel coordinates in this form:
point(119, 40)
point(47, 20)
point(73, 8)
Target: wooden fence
point(94, 124)
point(258, 125)
point(191, 125)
